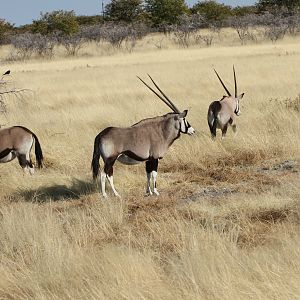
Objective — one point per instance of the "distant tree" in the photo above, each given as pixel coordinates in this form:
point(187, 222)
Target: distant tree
point(60, 20)
point(269, 5)
point(123, 10)
point(5, 28)
point(165, 11)
point(211, 10)
point(241, 11)
point(89, 20)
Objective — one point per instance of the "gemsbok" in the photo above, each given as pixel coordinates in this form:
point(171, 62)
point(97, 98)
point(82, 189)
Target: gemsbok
point(17, 141)
point(146, 141)
point(222, 113)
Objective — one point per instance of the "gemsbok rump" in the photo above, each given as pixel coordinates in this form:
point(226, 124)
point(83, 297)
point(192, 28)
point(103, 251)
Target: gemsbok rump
point(147, 140)
point(17, 141)
point(222, 113)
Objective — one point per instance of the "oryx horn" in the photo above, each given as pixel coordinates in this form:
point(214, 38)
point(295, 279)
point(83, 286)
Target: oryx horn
point(235, 85)
point(166, 101)
point(223, 83)
point(171, 103)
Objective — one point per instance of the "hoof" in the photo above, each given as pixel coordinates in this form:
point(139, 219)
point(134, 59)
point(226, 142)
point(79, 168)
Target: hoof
point(156, 192)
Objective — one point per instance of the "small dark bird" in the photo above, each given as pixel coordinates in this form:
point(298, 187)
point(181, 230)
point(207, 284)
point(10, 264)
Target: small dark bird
point(7, 72)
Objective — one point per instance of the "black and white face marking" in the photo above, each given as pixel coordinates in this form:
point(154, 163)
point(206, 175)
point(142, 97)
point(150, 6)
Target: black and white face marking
point(185, 127)
point(237, 108)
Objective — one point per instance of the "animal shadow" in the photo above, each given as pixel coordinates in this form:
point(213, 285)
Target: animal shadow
point(77, 189)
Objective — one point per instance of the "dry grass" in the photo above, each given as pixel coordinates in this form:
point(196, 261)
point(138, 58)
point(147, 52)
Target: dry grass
point(226, 225)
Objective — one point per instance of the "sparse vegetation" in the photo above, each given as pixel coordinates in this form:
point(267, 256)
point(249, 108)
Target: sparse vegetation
point(226, 223)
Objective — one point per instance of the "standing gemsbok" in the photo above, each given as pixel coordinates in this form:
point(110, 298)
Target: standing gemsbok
point(222, 113)
point(17, 141)
point(147, 140)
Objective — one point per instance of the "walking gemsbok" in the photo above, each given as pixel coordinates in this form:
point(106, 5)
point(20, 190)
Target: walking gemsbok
point(147, 140)
point(17, 141)
point(222, 113)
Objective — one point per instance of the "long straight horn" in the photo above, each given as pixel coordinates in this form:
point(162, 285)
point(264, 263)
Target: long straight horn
point(235, 85)
point(151, 89)
point(175, 109)
point(223, 84)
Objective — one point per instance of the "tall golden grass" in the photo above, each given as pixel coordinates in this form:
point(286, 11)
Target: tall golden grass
point(226, 225)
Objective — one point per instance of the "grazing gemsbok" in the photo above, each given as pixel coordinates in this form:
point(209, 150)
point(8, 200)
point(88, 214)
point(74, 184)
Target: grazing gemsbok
point(147, 140)
point(17, 141)
point(223, 112)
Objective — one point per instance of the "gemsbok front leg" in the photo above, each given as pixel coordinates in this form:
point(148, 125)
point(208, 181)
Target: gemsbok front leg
point(151, 169)
point(224, 130)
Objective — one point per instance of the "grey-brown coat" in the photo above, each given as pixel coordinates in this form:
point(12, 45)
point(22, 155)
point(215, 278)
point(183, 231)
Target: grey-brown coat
point(147, 140)
point(222, 113)
point(17, 141)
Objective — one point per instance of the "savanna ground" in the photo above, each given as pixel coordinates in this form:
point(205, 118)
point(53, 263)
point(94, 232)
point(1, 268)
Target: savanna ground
point(226, 225)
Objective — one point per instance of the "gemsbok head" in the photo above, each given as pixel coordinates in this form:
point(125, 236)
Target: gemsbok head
point(222, 113)
point(146, 141)
point(17, 141)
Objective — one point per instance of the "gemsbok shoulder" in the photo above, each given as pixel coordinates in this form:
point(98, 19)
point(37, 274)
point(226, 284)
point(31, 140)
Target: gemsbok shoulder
point(222, 113)
point(146, 141)
point(17, 141)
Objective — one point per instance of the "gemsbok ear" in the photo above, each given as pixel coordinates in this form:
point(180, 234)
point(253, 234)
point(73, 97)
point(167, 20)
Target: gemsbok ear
point(183, 114)
point(241, 96)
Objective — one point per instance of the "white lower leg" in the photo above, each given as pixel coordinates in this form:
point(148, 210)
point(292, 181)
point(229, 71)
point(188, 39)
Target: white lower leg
point(148, 189)
point(154, 176)
point(26, 170)
point(103, 178)
point(31, 170)
point(111, 181)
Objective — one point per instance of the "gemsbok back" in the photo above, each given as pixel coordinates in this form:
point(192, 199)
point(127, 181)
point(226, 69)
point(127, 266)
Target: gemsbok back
point(17, 141)
point(222, 113)
point(146, 141)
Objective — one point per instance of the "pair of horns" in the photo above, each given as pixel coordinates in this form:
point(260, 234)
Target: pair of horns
point(165, 99)
point(235, 85)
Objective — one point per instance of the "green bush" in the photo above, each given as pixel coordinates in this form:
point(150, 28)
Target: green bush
point(165, 11)
point(64, 22)
point(123, 10)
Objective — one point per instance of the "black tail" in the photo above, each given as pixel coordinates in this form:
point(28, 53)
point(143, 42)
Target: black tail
point(212, 116)
point(96, 157)
point(38, 151)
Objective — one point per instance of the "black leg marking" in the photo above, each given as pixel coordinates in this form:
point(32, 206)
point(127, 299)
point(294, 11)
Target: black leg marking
point(148, 166)
point(151, 165)
point(30, 164)
point(224, 130)
point(108, 166)
point(155, 165)
point(22, 160)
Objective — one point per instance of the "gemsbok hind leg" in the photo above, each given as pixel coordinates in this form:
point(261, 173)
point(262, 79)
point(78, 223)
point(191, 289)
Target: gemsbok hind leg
point(29, 163)
point(23, 163)
point(108, 170)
